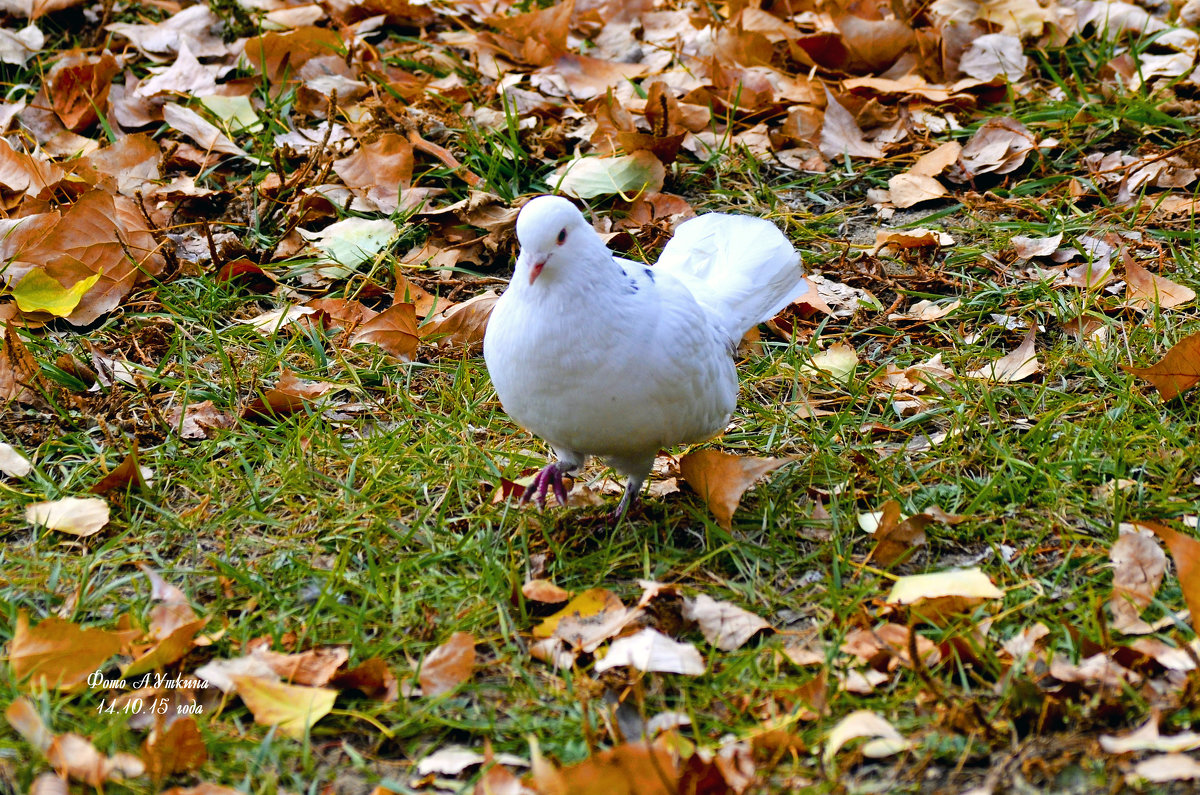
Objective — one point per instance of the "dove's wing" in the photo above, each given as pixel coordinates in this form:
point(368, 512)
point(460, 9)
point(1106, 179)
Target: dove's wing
point(741, 269)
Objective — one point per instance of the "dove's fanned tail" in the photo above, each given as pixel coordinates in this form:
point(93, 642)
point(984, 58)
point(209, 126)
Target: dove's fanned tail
point(740, 269)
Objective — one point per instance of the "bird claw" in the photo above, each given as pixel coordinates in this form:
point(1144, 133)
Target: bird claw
point(549, 476)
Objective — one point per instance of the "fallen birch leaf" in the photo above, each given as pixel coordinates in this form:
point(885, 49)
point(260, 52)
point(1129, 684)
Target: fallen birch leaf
point(723, 624)
point(1016, 365)
point(38, 291)
point(885, 741)
point(1178, 370)
point(79, 516)
point(721, 478)
point(293, 708)
point(449, 665)
point(651, 651)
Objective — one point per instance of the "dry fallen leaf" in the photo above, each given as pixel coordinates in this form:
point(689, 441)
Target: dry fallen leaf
point(394, 329)
point(650, 650)
point(589, 619)
point(1164, 768)
point(449, 665)
point(837, 361)
point(939, 594)
point(293, 708)
point(1144, 289)
point(1178, 370)
point(12, 463)
point(177, 748)
point(907, 190)
point(1185, 551)
point(461, 325)
point(1016, 365)
point(58, 653)
point(886, 741)
point(79, 516)
point(1138, 567)
point(723, 624)
point(544, 591)
point(1147, 738)
point(721, 478)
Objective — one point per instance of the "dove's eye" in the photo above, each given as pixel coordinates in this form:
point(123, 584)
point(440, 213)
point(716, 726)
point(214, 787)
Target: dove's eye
point(562, 236)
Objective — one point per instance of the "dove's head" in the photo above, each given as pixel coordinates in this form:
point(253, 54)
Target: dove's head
point(548, 227)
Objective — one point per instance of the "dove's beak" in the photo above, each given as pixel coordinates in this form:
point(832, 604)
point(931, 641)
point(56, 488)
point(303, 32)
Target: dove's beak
point(536, 270)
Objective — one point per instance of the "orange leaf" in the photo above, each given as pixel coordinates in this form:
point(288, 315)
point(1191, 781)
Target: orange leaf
point(1175, 372)
point(1185, 551)
point(178, 749)
point(373, 678)
point(721, 478)
point(128, 474)
point(449, 665)
point(57, 653)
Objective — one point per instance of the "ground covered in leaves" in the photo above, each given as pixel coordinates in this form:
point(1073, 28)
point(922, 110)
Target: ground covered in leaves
point(256, 492)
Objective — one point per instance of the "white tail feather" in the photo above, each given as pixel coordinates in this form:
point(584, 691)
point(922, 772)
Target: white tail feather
point(741, 269)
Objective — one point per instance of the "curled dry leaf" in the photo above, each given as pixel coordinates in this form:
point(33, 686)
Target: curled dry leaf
point(841, 136)
point(651, 651)
point(449, 665)
point(198, 419)
point(999, 146)
point(293, 708)
point(79, 516)
point(721, 478)
point(289, 395)
point(23, 716)
point(129, 474)
point(373, 678)
point(629, 769)
point(910, 238)
point(885, 741)
point(1016, 365)
point(723, 624)
point(895, 536)
point(1138, 567)
point(76, 757)
point(461, 325)
point(1030, 247)
point(1178, 370)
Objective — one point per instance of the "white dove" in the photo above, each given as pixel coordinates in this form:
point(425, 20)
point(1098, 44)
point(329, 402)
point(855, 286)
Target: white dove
point(603, 356)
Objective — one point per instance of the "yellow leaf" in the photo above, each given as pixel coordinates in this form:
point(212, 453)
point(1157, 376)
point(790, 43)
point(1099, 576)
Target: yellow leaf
point(38, 291)
point(291, 707)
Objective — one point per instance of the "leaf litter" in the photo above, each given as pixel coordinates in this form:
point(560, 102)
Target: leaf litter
point(360, 181)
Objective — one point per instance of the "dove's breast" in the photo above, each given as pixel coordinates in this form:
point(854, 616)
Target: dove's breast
point(619, 378)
